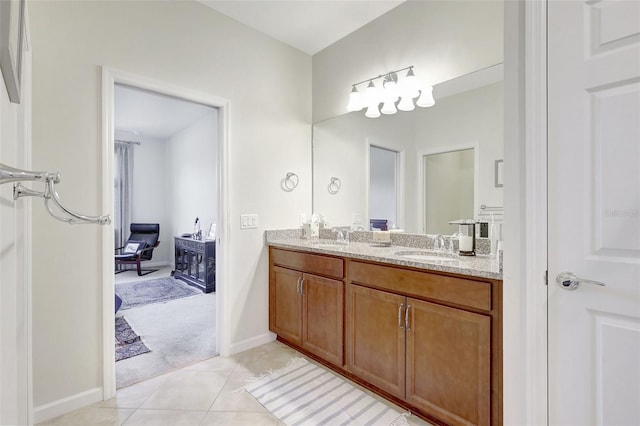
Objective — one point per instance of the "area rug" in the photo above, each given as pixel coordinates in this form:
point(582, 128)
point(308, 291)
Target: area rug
point(159, 290)
point(305, 394)
point(128, 343)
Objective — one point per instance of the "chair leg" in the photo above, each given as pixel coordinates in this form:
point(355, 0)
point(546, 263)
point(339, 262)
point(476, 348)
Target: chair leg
point(147, 271)
point(119, 268)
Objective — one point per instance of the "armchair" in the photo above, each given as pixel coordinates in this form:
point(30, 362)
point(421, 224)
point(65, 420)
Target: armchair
point(139, 247)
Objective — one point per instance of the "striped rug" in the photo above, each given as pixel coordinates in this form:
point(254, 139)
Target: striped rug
point(305, 394)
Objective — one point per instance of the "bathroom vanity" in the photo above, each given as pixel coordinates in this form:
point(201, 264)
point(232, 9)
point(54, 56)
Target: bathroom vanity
point(422, 331)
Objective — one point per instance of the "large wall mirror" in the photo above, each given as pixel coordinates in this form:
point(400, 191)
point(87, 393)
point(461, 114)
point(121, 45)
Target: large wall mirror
point(444, 158)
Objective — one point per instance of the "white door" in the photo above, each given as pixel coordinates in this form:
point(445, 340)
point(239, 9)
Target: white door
point(594, 211)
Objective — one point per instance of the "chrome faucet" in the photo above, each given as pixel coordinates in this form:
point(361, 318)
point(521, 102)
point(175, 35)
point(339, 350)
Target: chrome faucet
point(451, 248)
point(342, 237)
point(438, 243)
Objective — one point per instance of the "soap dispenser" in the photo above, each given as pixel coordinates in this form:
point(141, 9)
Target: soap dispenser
point(467, 236)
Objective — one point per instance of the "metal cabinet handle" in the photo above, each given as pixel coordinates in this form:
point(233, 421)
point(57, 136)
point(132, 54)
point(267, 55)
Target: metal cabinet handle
point(406, 318)
point(302, 287)
point(570, 281)
point(400, 324)
point(298, 290)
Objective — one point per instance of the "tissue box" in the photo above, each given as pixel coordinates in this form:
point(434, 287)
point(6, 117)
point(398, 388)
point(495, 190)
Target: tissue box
point(381, 237)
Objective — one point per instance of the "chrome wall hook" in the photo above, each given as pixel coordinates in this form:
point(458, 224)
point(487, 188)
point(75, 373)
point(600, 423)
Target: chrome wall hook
point(51, 198)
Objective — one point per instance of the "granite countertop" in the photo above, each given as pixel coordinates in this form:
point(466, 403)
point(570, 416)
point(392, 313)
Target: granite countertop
point(482, 266)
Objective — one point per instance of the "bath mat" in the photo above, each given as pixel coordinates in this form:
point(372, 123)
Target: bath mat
point(305, 394)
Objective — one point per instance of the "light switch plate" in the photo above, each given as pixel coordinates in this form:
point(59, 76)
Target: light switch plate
point(248, 221)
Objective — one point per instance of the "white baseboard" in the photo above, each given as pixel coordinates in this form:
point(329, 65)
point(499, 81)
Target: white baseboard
point(66, 405)
point(150, 264)
point(251, 343)
point(155, 264)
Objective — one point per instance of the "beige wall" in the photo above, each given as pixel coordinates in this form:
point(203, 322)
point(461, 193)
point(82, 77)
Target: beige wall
point(442, 39)
point(184, 44)
point(192, 163)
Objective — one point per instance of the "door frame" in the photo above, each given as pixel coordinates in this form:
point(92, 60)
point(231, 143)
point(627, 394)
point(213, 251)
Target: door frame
point(525, 366)
point(110, 77)
point(421, 176)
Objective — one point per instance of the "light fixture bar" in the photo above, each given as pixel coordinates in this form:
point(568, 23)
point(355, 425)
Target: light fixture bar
point(383, 75)
point(393, 93)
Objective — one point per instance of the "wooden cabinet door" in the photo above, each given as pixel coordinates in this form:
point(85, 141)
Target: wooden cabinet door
point(448, 363)
point(323, 312)
point(285, 304)
point(376, 338)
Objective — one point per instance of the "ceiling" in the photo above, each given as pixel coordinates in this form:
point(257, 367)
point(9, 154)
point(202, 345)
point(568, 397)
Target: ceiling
point(307, 25)
point(154, 115)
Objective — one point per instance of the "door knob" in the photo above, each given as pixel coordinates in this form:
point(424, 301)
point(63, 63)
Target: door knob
point(569, 281)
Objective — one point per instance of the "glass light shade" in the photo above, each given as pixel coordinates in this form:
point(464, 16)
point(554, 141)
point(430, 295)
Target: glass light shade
point(355, 101)
point(426, 97)
point(406, 104)
point(372, 111)
point(406, 90)
point(389, 107)
point(390, 92)
point(371, 95)
point(411, 80)
point(410, 85)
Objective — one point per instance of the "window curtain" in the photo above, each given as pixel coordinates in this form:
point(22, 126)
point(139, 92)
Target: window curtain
point(123, 175)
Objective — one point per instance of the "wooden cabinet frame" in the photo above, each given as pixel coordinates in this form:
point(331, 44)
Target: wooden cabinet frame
point(305, 309)
point(441, 304)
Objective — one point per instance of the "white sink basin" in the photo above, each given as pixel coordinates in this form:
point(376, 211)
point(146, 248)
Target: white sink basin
point(424, 256)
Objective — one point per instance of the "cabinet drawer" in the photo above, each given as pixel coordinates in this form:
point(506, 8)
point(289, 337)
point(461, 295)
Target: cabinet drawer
point(459, 291)
point(306, 262)
point(196, 246)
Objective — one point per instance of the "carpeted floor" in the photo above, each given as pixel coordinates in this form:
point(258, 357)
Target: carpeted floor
point(179, 332)
point(158, 290)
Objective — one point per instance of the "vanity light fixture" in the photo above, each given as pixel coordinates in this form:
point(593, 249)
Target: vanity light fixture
point(393, 94)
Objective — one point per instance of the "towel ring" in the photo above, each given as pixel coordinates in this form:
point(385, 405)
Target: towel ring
point(334, 185)
point(290, 182)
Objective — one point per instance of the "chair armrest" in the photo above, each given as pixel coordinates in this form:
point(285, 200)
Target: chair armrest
point(146, 249)
point(139, 252)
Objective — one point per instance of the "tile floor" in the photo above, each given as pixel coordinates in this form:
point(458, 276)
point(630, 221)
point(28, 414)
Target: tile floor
point(203, 394)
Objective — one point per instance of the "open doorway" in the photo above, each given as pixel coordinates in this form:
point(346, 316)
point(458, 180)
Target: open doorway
point(384, 188)
point(175, 145)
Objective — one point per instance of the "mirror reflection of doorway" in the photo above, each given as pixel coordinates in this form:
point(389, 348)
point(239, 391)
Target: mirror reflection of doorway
point(448, 189)
point(384, 187)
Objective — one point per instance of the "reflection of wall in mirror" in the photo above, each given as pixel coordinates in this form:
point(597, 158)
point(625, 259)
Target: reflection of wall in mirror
point(442, 39)
point(475, 117)
point(449, 182)
point(340, 146)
